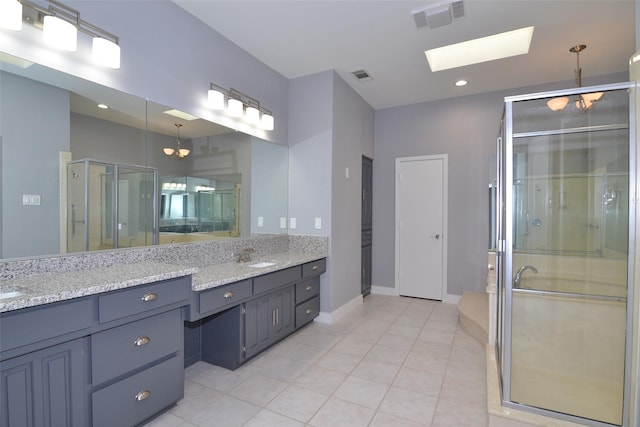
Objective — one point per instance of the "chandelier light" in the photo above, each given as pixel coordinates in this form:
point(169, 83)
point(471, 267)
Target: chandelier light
point(239, 105)
point(582, 102)
point(177, 151)
point(60, 26)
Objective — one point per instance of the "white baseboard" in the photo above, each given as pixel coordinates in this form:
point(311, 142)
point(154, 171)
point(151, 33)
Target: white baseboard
point(340, 312)
point(384, 290)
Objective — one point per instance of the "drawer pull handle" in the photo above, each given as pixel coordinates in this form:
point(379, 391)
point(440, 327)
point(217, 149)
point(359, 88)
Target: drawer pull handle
point(142, 341)
point(308, 311)
point(308, 288)
point(315, 267)
point(151, 296)
point(142, 395)
point(228, 294)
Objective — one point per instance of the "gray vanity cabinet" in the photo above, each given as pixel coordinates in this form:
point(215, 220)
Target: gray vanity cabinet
point(110, 359)
point(268, 320)
point(45, 387)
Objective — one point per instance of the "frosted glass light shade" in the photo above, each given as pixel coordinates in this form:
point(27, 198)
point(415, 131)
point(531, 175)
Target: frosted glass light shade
point(60, 33)
point(267, 122)
point(557, 104)
point(252, 115)
point(11, 17)
point(235, 108)
point(105, 52)
point(216, 99)
point(168, 151)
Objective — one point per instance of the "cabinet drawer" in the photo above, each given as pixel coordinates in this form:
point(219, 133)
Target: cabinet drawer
point(134, 399)
point(307, 289)
point(122, 349)
point(314, 268)
point(307, 311)
point(276, 279)
point(141, 298)
point(223, 296)
point(30, 325)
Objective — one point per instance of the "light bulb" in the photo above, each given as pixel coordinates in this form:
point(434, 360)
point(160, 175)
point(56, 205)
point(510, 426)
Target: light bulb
point(11, 17)
point(235, 108)
point(252, 115)
point(267, 122)
point(105, 52)
point(60, 33)
point(216, 99)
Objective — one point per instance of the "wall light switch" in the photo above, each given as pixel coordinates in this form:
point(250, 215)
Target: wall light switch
point(260, 221)
point(283, 222)
point(31, 199)
point(292, 223)
point(318, 223)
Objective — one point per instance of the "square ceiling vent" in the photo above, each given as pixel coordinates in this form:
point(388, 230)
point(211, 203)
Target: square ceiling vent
point(438, 15)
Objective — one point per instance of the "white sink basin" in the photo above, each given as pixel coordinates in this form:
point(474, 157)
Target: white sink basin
point(262, 264)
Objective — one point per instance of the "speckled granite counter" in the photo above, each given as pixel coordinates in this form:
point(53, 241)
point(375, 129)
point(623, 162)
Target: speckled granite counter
point(53, 287)
point(221, 274)
point(47, 280)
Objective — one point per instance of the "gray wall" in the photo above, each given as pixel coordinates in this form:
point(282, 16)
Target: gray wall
point(331, 128)
point(32, 121)
point(465, 128)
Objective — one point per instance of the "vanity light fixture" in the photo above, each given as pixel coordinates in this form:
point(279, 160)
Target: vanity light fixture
point(60, 25)
point(178, 152)
point(239, 105)
point(583, 102)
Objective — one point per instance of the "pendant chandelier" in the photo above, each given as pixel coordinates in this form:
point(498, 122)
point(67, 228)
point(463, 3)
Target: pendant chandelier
point(583, 102)
point(178, 151)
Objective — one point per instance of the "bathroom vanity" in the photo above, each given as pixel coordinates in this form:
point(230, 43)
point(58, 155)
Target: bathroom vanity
point(76, 345)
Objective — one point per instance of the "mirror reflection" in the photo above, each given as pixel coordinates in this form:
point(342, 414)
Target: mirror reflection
point(85, 167)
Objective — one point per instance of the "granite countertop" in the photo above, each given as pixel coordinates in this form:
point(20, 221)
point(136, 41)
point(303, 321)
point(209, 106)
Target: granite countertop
point(52, 287)
point(47, 288)
point(222, 274)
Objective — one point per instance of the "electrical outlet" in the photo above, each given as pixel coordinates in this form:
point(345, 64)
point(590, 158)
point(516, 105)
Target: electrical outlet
point(292, 223)
point(283, 222)
point(260, 221)
point(318, 223)
point(31, 199)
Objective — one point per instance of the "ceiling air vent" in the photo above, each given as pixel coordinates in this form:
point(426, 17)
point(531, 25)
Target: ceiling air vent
point(362, 75)
point(438, 15)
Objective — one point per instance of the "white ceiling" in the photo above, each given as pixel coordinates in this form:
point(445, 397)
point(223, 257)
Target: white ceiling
point(302, 37)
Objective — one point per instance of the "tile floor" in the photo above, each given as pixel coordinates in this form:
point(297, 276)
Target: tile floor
point(393, 361)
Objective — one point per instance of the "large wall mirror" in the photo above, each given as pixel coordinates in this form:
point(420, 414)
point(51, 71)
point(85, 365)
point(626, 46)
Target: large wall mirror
point(78, 177)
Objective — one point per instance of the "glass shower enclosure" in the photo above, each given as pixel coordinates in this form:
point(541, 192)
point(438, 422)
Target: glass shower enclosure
point(564, 253)
point(110, 206)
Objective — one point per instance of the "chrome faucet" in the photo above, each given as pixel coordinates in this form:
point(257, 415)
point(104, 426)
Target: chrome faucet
point(245, 254)
point(516, 281)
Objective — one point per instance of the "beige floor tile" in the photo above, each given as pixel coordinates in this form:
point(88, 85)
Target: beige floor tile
point(464, 390)
point(336, 412)
point(266, 418)
point(196, 370)
point(391, 355)
point(387, 420)
point(280, 368)
point(363, 392)
point(338, 362)
point(352, 347)
point(298, 403)
point(196, 398)
point(452, 413)
point(419, 381)
point(379, 372)
point(258, 389)
point(222, 379)
point(300, 351)
point(316, 339)
point(426, 362)
point(404, 320)
point(433, 335)
point(168, 420)
point(405, 330)
point(431, 349)
point(414, 406)
point(320, 380)
point(396, 341)
point(225, 412)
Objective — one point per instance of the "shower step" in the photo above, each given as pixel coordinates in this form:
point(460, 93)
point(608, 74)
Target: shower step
point(473, 315)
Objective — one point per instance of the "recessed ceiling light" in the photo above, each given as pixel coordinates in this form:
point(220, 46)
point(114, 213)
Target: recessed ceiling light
point(484, 49)
point(103, 106)
point(461, 83)
point(181, 115)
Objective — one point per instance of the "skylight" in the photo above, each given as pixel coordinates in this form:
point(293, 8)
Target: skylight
point(484, 49)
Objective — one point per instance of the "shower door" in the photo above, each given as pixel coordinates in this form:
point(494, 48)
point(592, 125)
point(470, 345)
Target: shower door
point(564, 258)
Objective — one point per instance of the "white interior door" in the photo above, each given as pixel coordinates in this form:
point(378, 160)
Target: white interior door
point(421, 213)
